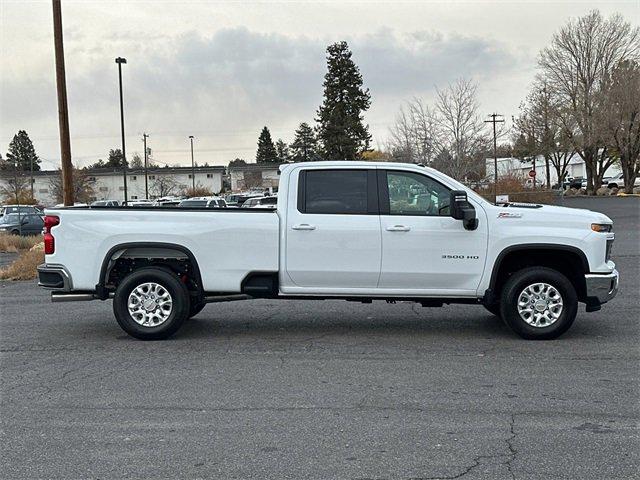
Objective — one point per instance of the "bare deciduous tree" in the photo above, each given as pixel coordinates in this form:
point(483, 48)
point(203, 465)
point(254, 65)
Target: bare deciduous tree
point(621, 119)
point(449, 135)
point(541, 132)
point(581, 55)
point(15, 189)
point(462, 139)
point(82, 186)
point(164, 186)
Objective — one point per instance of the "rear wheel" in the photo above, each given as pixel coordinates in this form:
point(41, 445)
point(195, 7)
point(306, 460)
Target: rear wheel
point(539, 303)
point(151, 304)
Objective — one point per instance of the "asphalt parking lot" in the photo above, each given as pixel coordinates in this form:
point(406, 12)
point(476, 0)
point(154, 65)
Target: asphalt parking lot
point(323, 390)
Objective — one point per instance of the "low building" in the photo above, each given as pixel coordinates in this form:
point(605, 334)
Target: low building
point(108, 184)
point(254, 176)
point(511, 166)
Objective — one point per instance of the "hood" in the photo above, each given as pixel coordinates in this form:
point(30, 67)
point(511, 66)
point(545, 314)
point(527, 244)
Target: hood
point(551, 214)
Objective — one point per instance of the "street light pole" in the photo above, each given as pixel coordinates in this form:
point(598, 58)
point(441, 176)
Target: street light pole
point(146, 167)
point(193, 168)
point(120, 61)
point(31, 179)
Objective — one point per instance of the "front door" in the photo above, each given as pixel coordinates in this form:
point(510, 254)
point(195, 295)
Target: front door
point(423, 248)
point(333, 238)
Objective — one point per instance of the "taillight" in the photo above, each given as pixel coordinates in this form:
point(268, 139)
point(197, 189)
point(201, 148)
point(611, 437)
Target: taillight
point(50, 221)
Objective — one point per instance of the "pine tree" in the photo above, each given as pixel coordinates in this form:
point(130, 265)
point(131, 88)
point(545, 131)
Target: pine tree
point(341, 130)
point(22, 154)
point(305, 145)
point(115, 159)
point(266, 149)
point(282, 151)
point(136, 161)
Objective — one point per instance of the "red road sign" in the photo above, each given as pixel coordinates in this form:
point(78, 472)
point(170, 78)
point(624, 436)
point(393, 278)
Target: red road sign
point(532, 173)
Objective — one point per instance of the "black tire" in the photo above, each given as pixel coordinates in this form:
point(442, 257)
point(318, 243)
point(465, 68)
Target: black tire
point(493, 308)
point(196, 308)
point(15, 232)
point(179, 310)
point(528, 276)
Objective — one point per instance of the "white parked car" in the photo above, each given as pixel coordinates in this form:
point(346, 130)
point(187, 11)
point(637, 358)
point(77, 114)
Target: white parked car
point(345, 230)
point(79, 204)
point(261, 202)
point(203, 202)
point(139, 202)
point(105, 203)
point(617, 181)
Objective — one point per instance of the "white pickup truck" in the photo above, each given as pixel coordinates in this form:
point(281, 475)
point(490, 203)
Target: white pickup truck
point(342, 230)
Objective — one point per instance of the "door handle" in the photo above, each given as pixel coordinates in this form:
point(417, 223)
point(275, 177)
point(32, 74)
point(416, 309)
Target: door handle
point(303, 226)
point(398, 228)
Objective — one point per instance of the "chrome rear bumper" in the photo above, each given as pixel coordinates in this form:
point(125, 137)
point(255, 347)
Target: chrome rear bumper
point(54, 277)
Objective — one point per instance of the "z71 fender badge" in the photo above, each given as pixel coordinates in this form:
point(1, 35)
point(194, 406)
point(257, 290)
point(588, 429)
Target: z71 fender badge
point(509, 215)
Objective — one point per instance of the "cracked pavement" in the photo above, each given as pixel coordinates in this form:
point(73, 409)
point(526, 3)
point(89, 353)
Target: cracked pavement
point(322, 390)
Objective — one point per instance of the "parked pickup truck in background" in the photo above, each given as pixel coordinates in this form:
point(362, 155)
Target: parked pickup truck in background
point(347, 230)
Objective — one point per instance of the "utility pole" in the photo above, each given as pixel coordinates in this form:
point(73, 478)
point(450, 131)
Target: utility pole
point(63, 112)
point(193, 167)
point(146, 167)
point(495, 120)
point(120, 61)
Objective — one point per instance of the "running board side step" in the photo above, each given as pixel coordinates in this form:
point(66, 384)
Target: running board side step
point(227, 298)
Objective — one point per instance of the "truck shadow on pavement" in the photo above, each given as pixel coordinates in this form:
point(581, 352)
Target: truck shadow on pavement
point(293, 328)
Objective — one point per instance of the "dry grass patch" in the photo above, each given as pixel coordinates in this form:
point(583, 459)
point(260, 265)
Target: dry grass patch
point(15, 243)
point(514, 187)
point(24, 268)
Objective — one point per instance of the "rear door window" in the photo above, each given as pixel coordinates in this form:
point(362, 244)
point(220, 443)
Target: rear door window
point(339, 192)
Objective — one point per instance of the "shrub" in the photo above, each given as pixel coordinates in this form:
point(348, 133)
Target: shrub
point(199, 191)
point(14, 243)
point(24, 268)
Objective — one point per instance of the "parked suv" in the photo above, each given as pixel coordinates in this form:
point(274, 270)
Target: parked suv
point(22, 209)
point(21, 224)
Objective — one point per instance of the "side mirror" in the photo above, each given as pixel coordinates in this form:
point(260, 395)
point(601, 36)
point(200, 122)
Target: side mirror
point(461, 209)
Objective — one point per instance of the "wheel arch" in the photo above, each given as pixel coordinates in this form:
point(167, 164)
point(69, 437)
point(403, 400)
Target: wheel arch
point(567, 259)
point(149, 251)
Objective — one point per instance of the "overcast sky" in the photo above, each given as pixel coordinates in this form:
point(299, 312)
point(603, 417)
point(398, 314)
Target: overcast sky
point(220, 70)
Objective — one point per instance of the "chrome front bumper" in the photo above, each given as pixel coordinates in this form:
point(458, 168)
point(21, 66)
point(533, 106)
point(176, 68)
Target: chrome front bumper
point(601, 287)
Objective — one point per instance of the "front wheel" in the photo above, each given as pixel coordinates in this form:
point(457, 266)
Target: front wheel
point(151, 304)
point(539, 303)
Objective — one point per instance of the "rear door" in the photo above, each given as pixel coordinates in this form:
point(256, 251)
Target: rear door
point(333, 235)
point(423, 247)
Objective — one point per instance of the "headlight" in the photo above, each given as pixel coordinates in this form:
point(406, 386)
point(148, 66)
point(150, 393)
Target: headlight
point(601, 227)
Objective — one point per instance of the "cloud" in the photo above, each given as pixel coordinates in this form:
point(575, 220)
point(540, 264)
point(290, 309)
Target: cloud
point(227, 84)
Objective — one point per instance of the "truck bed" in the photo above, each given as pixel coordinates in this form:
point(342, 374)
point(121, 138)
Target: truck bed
point(227, 243)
